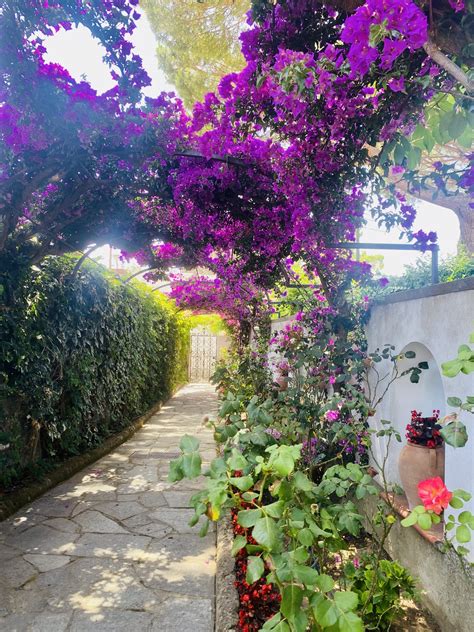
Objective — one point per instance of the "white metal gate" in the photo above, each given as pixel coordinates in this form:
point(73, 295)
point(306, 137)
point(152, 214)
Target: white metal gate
point(202, 361)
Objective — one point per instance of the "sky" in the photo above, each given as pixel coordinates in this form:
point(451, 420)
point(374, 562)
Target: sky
point(82, 56)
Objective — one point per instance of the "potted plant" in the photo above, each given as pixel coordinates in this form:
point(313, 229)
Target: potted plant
point(423, 455)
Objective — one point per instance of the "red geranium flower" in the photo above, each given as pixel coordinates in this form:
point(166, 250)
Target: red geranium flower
point(434, 494)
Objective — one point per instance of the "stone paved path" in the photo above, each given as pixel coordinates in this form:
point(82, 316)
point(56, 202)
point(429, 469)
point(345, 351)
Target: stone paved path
point(110, 549)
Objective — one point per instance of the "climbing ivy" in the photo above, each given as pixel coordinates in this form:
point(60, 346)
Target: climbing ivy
point(83, 355)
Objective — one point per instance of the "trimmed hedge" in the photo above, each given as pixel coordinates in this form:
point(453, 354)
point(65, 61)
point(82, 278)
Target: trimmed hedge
point(83, 355)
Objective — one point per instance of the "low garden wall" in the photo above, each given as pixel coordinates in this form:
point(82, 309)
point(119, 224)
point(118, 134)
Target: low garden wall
point(433, 321)
point(84, 355)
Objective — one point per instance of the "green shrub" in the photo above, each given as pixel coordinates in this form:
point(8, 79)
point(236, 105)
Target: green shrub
point(83, 355)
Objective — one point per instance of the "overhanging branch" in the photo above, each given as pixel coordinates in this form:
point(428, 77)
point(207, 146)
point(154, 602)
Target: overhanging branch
point(432, 50)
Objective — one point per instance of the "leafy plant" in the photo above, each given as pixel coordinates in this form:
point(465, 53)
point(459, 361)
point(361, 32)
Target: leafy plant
point(380, 586)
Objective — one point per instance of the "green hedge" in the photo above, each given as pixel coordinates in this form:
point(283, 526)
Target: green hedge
point(83, 355)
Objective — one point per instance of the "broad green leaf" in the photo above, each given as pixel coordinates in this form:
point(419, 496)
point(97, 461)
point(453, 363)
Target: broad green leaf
point(465, 517)
point(325, 612)
point(255, 569)
point(189, 443)
point(271, 623)
point(424, 521)
point(410, 520)
point(346, 600)
point(176, 470)
point(455, 434)
point(204, 528)
point(462, 493)
point(451, 368)
point(301, 481)
point(275, 510)
point(244, 483)
point(305, 536)
point(265, 532)
point(192, 464)
point(237, 461)
point(350, 622)
point(306, 575)
point(248, 517)
point(463, 534)
point(291, 599)
point(325, 583)
point(239, 542)
point(454, 401)
point(456, 503)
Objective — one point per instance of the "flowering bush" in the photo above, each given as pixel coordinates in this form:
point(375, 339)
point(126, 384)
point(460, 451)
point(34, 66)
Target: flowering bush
point(424, 430)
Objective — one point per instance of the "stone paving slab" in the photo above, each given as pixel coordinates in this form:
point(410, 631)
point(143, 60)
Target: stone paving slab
point(110, 549)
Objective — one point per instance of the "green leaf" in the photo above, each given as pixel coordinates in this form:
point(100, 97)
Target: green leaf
point(462, 493)
point(423, 365)
point(305, 537)
point(204, 529)
point(282, 459)
point(424, 521)
point(301, 481)
point(346, 600)
point(176, 470)
point(275, 510)
point(410, 520)
point(456, 503)
point(265, 532)
point(463, 534)
point(237, 461)
point(255, 569)
point(306, 575)
point(271, 623)
point(410, 354)
point(244, 483)
point(192, 464)
point(454, 401)
point(325, 612)
point(248, 517)
point(291, 600)
point(457, 125)
point(350, 622)
point(465, 517)
point(451, 368)
point(188, 443)
point(455, 434)
point(239, 542)
point(325, 583)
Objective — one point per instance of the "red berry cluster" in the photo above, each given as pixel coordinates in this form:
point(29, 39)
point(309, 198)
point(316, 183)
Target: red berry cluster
point(258, 601)
point(424, 430)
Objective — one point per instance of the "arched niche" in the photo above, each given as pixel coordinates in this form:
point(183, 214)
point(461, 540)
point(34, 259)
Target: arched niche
point(405, 396)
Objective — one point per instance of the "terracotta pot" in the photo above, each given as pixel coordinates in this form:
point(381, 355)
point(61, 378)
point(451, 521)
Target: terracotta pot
point(417, 463)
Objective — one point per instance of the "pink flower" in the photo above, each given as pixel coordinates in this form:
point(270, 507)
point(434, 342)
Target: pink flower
point(434, 494)
point(332, 415)
point(397, 85)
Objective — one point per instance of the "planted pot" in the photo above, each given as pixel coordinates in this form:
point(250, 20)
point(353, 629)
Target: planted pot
point(416, 464)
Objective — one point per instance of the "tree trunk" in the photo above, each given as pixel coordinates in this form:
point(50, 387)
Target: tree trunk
point(466, 223)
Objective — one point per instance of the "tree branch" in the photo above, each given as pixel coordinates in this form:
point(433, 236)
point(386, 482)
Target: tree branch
point(432, 50)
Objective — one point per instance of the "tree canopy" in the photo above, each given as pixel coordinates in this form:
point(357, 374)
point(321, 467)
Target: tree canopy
point(279, 164)
point(198, 42)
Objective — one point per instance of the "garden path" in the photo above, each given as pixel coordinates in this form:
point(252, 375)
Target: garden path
point(110, 549)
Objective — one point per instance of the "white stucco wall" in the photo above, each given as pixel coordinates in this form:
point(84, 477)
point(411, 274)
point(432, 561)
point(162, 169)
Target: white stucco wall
point(434, 327)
